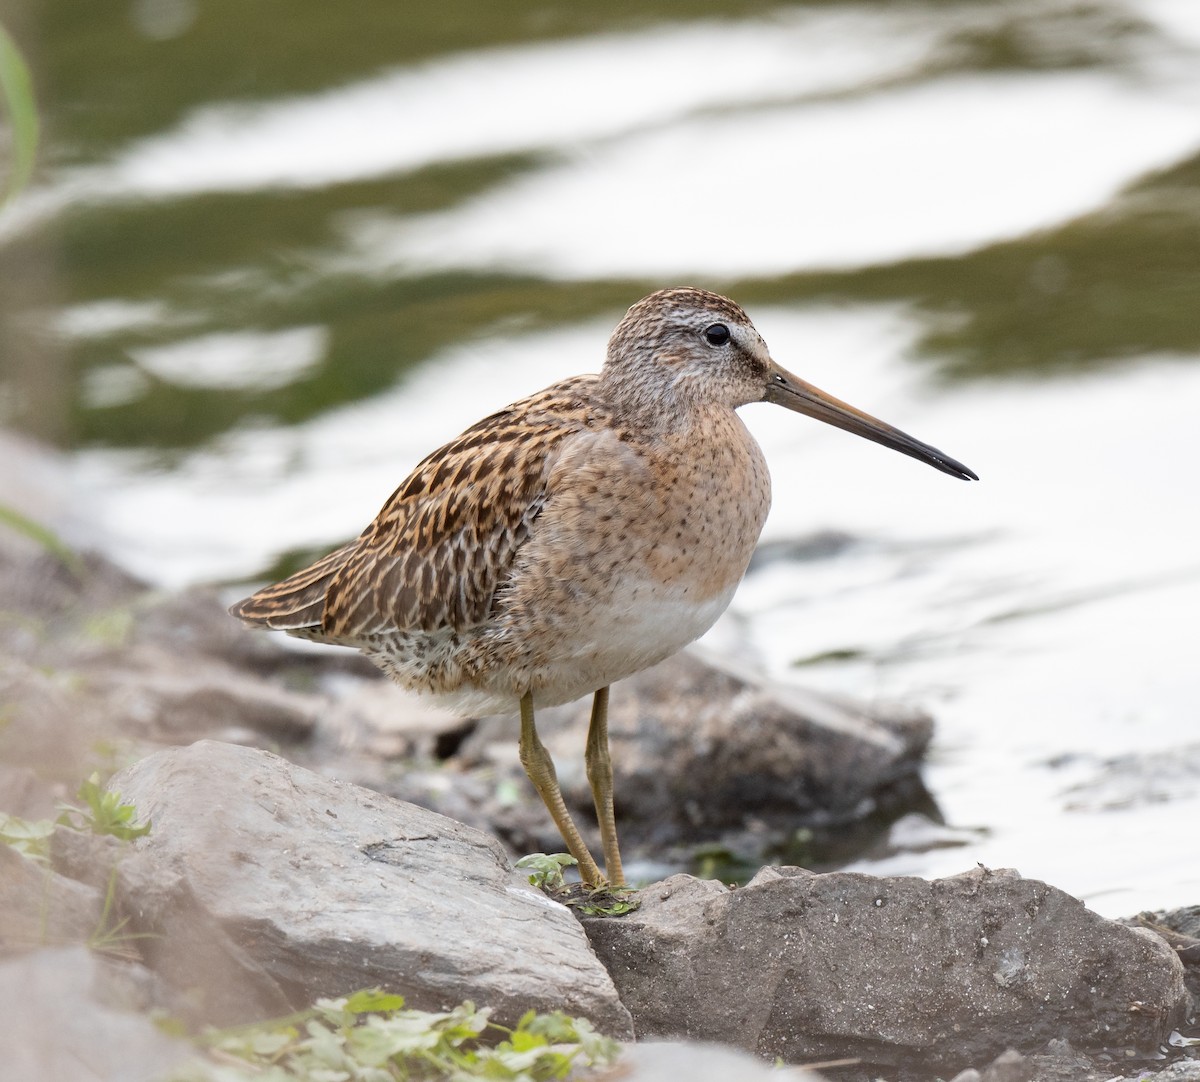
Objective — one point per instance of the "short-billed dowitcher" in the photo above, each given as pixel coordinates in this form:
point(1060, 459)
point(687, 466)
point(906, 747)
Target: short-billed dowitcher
point(574, 538)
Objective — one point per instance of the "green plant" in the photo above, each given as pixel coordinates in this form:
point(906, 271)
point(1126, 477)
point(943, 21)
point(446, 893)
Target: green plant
point(546, 869)
point(371, 1036)
point(546, 873)
point(606, 902)
point(109, 936)
point(16, 86)
point(35, 531)
point(105, 813)
point(31, 837)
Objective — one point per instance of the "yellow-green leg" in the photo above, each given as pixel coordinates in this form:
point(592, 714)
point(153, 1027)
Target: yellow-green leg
point(600, 777)
point(540, 768)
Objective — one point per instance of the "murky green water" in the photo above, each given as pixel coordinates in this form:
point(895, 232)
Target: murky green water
point(277, 251)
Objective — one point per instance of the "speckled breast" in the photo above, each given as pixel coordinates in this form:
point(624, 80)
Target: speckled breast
point(637, 554)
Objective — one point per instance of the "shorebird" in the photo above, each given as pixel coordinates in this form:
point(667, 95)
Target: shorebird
point(574, 538)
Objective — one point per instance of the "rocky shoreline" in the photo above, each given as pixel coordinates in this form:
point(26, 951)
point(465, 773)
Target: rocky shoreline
point(263, 886)
point(376, 849)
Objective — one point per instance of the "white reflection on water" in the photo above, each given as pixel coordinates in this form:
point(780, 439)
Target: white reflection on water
point(1042, 612)
point(510, 100)
point(933, 169)
point(810, 139)
point(226, 360)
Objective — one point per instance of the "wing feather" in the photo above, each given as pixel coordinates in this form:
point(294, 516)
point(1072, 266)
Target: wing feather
point(446, 539)
point(298, 601)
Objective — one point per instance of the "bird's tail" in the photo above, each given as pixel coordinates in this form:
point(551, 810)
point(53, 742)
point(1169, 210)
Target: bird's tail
point(298, 602)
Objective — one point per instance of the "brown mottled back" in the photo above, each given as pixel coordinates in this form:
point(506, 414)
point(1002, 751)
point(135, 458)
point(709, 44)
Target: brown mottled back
point(444, 542)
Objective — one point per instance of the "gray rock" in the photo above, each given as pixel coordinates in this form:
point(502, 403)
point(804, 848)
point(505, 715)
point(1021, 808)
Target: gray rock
point(39, 907)
point(1185, 920)
point(384, 721)
point(1180, 930)
point(896, 971)
point(59, 595)
point(1060, 1062)
point(88, 653)
point(196, 623)
point(267, 886)
point(1138, 779)
point(1009, 1066)
point(86, 857)
point(50, 724)
point(23, 794)
point(1179, 927)
point(161, 694)
point(64, 1021)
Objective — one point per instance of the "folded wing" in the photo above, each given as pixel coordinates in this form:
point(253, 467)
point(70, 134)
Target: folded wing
point(445, 541)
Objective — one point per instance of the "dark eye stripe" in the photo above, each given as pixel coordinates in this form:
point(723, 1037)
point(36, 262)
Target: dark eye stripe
point(717, 334)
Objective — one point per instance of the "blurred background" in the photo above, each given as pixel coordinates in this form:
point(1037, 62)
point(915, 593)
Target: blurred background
point(276, 251)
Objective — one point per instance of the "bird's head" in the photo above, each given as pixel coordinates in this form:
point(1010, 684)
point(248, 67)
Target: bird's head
point(679, 348)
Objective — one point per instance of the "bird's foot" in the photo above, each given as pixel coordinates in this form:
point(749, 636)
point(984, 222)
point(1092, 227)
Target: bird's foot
point(601, 900)
point(598, 899)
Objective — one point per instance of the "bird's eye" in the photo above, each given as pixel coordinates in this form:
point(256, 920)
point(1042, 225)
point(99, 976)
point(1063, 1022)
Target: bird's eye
point(717, 334)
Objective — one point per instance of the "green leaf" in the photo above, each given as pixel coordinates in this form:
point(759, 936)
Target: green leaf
point(616, 908)
point(373, 999)
point(106, 813)
point(17, 88)
point(28, 836)
point(370, 1036)
point(546, 869)
point(14, 520)
point(551, 1028)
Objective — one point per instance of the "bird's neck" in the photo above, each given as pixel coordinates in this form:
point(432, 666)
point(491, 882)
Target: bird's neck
point(650, 405)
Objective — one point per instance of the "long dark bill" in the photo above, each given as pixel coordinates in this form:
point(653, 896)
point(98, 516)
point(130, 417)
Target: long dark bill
point(784, 389)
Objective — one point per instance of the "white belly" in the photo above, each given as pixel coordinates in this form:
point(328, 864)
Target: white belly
point(639, 626)
point(618, 640)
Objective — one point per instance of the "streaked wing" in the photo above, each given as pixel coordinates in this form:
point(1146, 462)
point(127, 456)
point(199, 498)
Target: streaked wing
point(299, 600)
point(445, 541)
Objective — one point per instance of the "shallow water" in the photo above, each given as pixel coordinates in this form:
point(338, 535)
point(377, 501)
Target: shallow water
point(269, 264)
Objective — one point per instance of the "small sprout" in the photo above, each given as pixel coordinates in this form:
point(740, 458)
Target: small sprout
point(508, 793)
point(110, 935)
point(105, 813)
point(28, 836)
point(546, 870)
